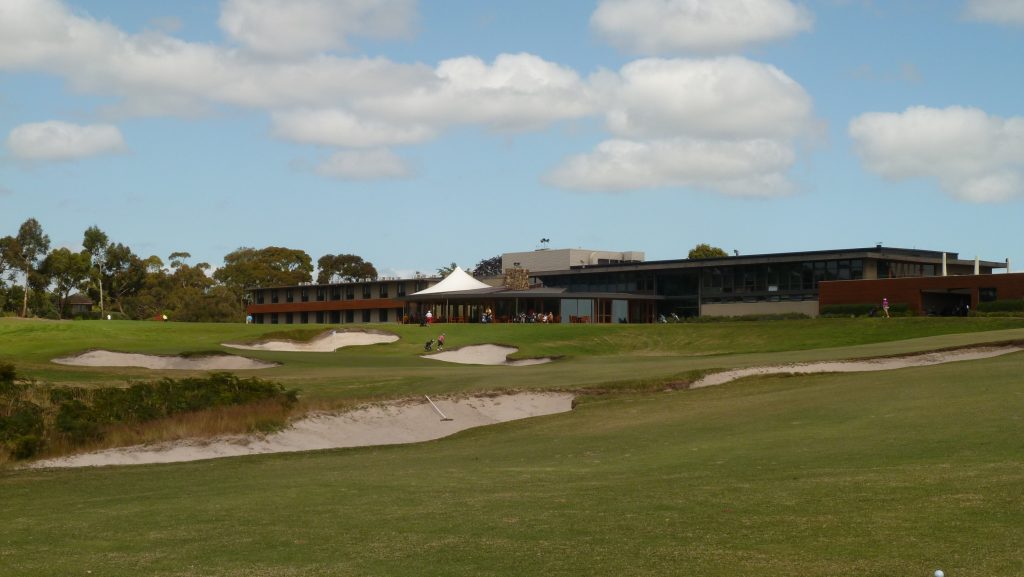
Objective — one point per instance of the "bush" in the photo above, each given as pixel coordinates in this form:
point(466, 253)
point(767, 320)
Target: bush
point(765, 317)
point(79, 415)
point(1002, 306)
point(26, 447)
point(865, 310)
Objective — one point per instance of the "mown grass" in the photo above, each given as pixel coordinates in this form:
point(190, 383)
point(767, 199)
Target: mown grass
point(871, 474)
point(884, 474)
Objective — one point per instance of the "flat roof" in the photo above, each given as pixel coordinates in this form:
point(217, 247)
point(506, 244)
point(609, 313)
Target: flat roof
point(874, 252)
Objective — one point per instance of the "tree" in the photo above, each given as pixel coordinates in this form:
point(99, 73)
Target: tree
point(704, 250)
point(68, 271)
point(346, 267)
point(488, 267)
point(9, 251)
point(95, 243)
point(447, 270)
point(32, 245)
point(124, 273)
point(248, 268)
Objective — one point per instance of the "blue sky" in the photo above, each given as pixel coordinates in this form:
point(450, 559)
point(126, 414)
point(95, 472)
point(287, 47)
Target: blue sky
point(415, 134)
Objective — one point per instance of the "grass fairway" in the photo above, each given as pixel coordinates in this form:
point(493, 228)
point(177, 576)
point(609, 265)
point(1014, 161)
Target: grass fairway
point(876, 474)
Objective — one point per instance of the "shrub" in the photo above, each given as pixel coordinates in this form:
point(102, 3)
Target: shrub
point(26, 446)
point(864, 309)
point(1001, 306)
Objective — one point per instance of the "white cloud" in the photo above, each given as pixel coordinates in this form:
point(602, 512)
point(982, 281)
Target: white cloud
point(372, 164)
point(516, 92)
point(975, 157)
point(696, 26)
point(721, 97)
point(997, 11)
point(295, 27)
point(736, 168)
point(341, 128)
point(726, 125)
point(56, 140)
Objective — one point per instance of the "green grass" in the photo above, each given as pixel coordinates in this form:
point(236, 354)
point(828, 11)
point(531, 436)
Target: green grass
point(874, 474)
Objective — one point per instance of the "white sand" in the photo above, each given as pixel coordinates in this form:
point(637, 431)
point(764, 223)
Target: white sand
point(385, 424)
point(484, 355)
point(326, 343)
point(206, 363)
point(883, 364)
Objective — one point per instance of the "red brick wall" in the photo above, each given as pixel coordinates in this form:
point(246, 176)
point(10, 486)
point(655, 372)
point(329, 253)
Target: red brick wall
point(908, 290)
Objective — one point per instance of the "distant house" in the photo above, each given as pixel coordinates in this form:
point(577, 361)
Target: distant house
point(78, 304)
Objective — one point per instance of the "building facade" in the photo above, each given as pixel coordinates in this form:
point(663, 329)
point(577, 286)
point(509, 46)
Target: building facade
point(366, 301)
point(637, 291)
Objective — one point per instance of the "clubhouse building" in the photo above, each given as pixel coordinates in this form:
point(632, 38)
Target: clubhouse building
point(583, 286)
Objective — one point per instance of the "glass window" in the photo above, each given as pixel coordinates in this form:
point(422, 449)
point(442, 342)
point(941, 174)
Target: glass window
point(401, 289)
point(987, 295)
point(273, 318)
point(383, 290)
point(320, 293)
point(289, 296)
point(273, 296)
point(304, 317)
point(366, 291)
point(383, 315)
point(320, 317)
point(304, 294)
point(289, 318)
point(259, 297)
point(350, 316)
point(366, 315)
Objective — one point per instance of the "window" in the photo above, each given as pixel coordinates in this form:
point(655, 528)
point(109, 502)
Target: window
point(350, 316)
point(987, 295)
point(401, 289)
point(336, 317)
point(259, 297)
point(273, 318)
point(383, 315)
point(321, 293)
point(336, 293)
point(320, 317)
point(350, 292)
point(304, 294)
point(366, 292)
point(304, 318)
point(289, 318)
point(383, 290)
point(289, 296)
point(273, 296)
point(366, 315)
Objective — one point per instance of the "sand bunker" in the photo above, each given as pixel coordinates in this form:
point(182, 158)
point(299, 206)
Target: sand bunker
point(326, 343)
point(883, 364)
point(197, 363)
point(484, 355)
point(408, 422)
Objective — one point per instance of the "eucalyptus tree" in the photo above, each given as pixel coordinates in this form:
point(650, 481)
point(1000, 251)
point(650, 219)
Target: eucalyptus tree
point(68, 271)
point(33, 244)
point(95, 243)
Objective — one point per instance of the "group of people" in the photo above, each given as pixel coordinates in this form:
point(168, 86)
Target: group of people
point(440, 343)
point(532, 317)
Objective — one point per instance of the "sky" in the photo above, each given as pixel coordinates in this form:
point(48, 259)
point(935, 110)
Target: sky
point(416, 134)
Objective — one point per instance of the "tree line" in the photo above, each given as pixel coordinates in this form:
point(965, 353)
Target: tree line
point(36, 280)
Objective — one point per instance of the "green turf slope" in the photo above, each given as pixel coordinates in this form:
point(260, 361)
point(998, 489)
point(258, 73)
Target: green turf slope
point(875, 474)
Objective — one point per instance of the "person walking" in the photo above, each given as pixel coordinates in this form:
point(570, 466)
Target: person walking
point(430, 317)
point(885, 306)
point(440, 342)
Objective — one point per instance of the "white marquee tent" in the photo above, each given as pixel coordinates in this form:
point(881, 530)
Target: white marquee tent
point(457, 280)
